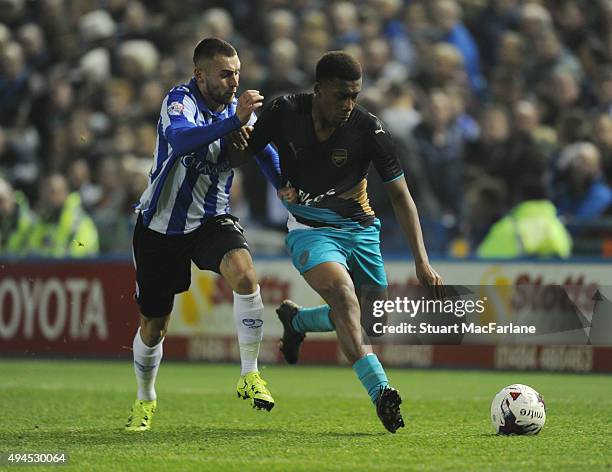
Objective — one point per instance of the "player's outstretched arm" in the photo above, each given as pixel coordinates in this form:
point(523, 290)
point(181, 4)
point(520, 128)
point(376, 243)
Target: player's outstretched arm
point(408, 218)
point(249, 140)
point(267, 159)
point(185, 135)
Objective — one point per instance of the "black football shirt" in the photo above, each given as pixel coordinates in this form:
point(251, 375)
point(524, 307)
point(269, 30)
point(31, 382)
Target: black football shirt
point(330, 176)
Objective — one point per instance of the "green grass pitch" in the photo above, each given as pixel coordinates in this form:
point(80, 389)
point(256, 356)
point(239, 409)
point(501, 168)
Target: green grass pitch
point(323, 420)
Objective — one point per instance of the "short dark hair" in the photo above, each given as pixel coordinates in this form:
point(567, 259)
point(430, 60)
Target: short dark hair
point(337, 65)
point(210, 47)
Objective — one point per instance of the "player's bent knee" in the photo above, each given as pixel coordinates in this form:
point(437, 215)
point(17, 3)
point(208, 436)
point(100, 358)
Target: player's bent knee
point(239, 272)
point(341, 296)
point(153, 330)
point(245, 282)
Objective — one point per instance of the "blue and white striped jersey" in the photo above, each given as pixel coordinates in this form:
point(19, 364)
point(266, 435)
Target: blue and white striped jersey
point(191, 175)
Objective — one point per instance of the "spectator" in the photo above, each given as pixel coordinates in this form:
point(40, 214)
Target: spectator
point(494, 21)
point(507, 88)
point(485, 203)
point(523, 157)
point(79, 180)
point(18, 158)
point(280, 24)
point(313, 45)
point(15, 220)
point(533, 19)
point(32, 39)
point(137, 21)
point(466, 122)
point(416, 19)
point(394, 31)
point(526, 122)
point(13, 85)
point(283, 76)
point(252, 72)
point(96, 26)
point(447, 14)
point(62, 228)
point(345, 24)
point(136, 172)
point(218, 22)
point(151, 94)
point(380, 68)
point(511, 53)
point(95, 67)
point(549, 57)
point(602, 138)
point(113, 229)
point(531, 228)
point(572, 23)
point(604, 90)
point(441, 68)
point(138, 59)
point(561, 94)
point(438, 143)
point(584, 193)
point(490, 153)
point(370, 24)
point(401, 115)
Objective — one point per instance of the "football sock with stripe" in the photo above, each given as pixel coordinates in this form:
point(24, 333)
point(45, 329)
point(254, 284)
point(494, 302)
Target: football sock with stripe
point(315, 319)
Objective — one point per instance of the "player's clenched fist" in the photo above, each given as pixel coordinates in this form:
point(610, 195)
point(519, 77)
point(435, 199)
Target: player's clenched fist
point(240, 137)
point(248, 102)
point(288, 194)
point(430, 278)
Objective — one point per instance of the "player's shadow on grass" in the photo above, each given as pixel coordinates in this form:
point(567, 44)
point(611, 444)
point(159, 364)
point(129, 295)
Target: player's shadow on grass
point(117, 436)
point(223, 433)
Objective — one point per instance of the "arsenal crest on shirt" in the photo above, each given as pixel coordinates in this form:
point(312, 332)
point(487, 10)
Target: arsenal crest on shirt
point(339, 157)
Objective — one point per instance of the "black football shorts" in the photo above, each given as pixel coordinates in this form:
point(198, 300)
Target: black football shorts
point(163, 262)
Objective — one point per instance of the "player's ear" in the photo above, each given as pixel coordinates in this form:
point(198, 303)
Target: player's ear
point(198, 74)
point(317, 88)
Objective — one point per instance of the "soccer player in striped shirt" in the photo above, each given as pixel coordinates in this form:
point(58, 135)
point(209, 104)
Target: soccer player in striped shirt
point(184, 216)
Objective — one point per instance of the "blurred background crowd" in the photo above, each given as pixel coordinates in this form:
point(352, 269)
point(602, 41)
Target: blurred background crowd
point(501, 111)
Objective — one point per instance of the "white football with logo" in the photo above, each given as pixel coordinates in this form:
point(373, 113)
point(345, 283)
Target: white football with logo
point(518, 409)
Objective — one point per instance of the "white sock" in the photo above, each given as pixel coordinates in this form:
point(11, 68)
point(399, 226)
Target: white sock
point(146, 365)
point(248, 314)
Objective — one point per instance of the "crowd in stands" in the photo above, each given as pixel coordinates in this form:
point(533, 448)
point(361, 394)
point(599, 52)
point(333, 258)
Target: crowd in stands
point(501, 111)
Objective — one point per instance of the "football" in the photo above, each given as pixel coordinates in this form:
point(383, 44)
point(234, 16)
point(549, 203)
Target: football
point(518, 409)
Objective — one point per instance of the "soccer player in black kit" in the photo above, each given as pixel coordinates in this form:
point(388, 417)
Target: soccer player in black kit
point(326, 143)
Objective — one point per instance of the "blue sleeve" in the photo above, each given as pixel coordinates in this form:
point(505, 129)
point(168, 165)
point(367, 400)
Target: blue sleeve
point(596, 202)
point(268, 162)
point(186, 139)
point(180, 127)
